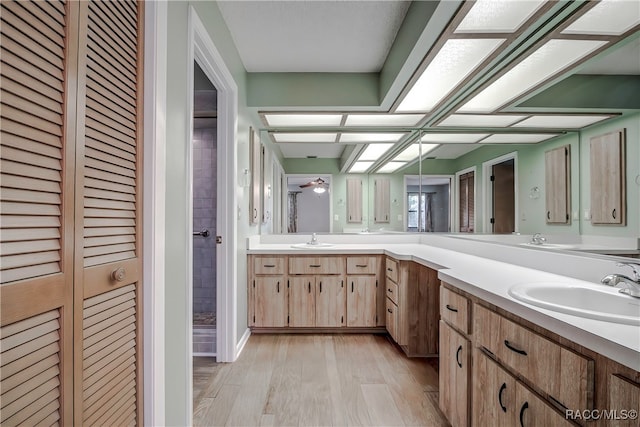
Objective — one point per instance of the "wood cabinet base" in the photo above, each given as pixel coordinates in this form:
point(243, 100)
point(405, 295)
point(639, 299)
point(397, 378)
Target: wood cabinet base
point(314, 330)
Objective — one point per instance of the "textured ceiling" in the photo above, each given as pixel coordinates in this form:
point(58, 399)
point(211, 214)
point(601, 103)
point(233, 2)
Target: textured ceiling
point(313, 36)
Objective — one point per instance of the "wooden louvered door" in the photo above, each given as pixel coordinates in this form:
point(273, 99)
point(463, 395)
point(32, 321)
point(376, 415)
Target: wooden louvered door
point(36, 235)
point(70, 226)
point(108, 374)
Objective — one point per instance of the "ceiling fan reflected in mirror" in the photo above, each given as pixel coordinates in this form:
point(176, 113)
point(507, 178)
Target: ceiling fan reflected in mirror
point(320, 186)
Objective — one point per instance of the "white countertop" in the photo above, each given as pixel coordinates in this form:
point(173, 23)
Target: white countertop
point(490, 280)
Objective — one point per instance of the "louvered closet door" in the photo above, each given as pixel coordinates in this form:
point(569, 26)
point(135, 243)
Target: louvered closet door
point(108, 376)
point(36, 213)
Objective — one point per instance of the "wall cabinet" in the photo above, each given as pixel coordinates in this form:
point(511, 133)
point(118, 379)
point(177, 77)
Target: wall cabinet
point(354, 200)
point(608, 179)
point(381, 200)
point(454, 375)
point(558, 185)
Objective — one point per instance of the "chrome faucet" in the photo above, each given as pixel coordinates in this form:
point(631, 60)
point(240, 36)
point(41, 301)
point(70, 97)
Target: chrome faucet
point(631, 285)
point(314, 240)
point(537, 239)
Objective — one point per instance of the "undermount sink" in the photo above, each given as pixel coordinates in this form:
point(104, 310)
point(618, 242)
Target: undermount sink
point(312, 245)
point(603, 304)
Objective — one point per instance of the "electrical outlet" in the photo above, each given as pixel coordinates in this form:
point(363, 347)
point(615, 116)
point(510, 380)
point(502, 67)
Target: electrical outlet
point(576, 215)
point(587, 214)
point(336, 217)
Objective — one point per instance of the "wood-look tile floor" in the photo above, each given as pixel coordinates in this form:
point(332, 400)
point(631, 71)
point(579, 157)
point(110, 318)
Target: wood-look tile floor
point(317, 380)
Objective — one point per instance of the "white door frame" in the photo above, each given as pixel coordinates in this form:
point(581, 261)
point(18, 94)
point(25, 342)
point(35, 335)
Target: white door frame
point(405, 198)
point(488, 190)
point(456, 204)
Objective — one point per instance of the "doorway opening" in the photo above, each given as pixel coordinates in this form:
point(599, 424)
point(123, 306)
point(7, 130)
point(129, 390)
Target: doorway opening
point(204, 155)
point(501, 190)
point(309, 204)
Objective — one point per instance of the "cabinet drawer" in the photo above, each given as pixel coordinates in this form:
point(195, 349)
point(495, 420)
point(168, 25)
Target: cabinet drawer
point(559, 372)
point(392, 269)
point(362, 265)
point(316, 265)
point(392, 319)
point(454, 309)
point(268, 265)
point(392, 291)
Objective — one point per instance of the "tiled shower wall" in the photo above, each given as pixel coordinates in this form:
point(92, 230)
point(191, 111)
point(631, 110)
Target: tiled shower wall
point(204, 215)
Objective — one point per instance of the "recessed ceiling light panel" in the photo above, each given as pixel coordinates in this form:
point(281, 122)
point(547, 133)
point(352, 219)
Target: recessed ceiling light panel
point(560, 122)
point(498, 16)
point(391, 167)
point(374, 151)
point(383, 119)
point(454, 138)
point(517, 138)
point(303, 119)
point(451, 65)
point(304, 137)
point(370, 137)
point(480, 120)
point(413, 151)
point(360, 167)
point(608, 17)
point(551, 58)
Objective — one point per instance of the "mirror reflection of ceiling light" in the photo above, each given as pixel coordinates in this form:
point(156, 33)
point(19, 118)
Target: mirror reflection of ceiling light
point(454, 138)
point(360, 167)
point(303, 119)
point(370, 137)
point(554, 56)
point(480, 120)
point(413, 151)
point(391, 167)
point(560, 122)
point(383, 119)
point(498, 16)
point(455, 61)
point(517, 138)
point(319, 189)
point(304, 137)
point(607, 17)
point(374, 151)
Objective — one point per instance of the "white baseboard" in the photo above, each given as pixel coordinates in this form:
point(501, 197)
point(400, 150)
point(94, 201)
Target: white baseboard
point(243, 341)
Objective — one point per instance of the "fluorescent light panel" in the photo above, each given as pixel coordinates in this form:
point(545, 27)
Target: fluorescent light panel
point(304, 137)
point(480, 120)
point(608, 17)
point(391, 167)
point(383, 119)
point(560, 122)
point(359, 167)
point(413, 151)
point(374, 151)
point(498, 16)
point(554, 56)
point(371, 137)
point(452, 64)
point(303, 119)
point(517, 138)
point(454, 138)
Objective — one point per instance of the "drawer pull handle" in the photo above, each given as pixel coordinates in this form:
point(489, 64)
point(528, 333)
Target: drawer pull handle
point(389, 310)
point(524, 407)
point(389, 269)
point(389, 290)
point(314, 265)
point(269, 265)
point(613, 214)
point(455, 310)
point(512, 348)
point(458, 356)
point(503, 387)
point(361, 265)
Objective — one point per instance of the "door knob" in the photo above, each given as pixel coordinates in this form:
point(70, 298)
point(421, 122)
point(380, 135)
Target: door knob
point(118, 274)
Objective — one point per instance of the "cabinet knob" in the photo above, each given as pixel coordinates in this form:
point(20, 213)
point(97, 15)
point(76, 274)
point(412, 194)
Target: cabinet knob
point(118, 274)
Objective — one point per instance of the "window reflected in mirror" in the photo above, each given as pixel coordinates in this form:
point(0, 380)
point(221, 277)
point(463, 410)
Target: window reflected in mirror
point(428, 204)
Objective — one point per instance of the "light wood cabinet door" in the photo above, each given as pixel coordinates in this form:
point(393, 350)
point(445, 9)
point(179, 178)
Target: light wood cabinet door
point(608, 192)
point(532, 411)
point(270, 305)
point(361, 301)
point(330, 301)
point(624, 395)
point(391, 315)
point(454, 375)
point(302, 301)
point(381, 200)
point(494, 393)
point(558, 185)
point(354, 200)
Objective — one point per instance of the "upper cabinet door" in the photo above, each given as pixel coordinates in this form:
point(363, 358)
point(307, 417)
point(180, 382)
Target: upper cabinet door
point(608, 175)
point(354, 200)
point(382, 205)
point(558, 185)
point(255, 152)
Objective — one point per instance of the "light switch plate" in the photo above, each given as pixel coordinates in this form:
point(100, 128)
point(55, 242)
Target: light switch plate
point(336, 217)
point(587, 214)
point(399, 217)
